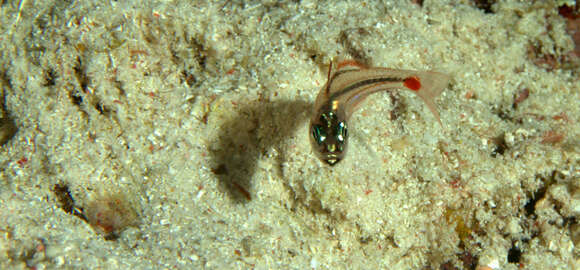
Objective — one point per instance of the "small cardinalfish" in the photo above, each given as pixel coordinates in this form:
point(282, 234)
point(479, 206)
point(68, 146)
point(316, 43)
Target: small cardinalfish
point(347, 87)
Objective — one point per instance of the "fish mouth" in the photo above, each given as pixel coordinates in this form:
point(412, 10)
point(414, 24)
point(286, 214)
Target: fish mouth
point(332, 161)
point(332, 158)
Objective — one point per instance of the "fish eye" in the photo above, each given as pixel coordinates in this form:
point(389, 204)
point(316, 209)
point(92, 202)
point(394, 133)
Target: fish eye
point(341, 132)
point(319, 134)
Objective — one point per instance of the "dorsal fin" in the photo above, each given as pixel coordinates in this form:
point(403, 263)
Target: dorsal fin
point(328, 79)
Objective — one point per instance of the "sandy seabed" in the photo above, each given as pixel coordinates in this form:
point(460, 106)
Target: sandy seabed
point(174, 135)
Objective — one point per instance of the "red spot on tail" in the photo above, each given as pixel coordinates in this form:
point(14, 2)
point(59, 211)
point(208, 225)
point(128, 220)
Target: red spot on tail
point(412, 83)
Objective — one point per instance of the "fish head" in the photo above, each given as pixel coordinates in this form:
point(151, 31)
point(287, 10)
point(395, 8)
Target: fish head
point(329, 135)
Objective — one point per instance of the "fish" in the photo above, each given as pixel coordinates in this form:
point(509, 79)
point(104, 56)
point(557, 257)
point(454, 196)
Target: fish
point(347, 87)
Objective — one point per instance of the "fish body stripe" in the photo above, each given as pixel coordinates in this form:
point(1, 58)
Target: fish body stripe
point(362, 83)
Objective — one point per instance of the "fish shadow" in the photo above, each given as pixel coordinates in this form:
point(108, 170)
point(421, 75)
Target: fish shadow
point(257, 130)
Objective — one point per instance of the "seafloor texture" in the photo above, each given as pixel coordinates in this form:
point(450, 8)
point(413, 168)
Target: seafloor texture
point(174, 134)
